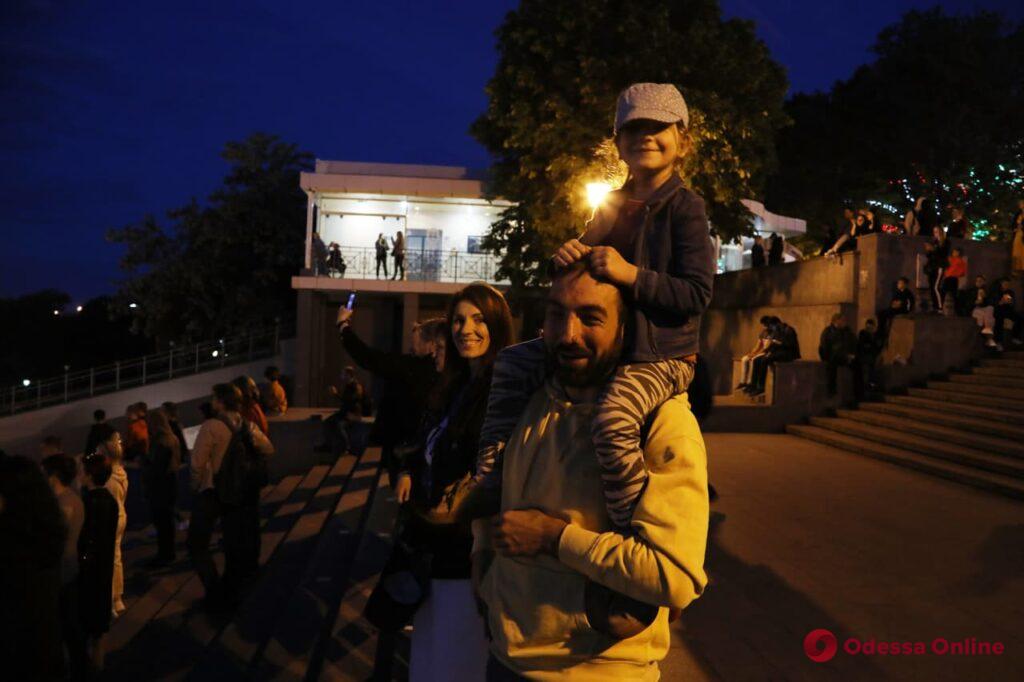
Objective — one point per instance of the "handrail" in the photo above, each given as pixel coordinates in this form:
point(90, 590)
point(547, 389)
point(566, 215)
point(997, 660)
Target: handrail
point(176, 361)
point(429, 265)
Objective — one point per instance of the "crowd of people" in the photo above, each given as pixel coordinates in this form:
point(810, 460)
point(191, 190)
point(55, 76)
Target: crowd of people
point(63, 519)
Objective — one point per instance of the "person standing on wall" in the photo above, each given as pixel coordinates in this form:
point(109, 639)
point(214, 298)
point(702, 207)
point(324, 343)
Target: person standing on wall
point(398, 253)
point(757, 252)
point(775, 247)
point(381, 246)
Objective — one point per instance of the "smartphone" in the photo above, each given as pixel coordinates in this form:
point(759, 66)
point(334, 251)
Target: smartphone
point(351, 301)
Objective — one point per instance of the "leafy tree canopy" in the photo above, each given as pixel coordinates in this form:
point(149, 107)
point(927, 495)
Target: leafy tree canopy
point(221, 267)
point(561, 66)
point(938, 111)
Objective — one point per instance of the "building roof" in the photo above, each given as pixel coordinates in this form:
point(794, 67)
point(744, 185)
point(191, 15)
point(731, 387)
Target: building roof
point(394, 178)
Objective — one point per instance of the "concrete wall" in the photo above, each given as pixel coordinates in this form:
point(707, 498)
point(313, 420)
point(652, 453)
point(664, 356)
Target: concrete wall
point(805, 294)
point(884, 258)
point(21, 433)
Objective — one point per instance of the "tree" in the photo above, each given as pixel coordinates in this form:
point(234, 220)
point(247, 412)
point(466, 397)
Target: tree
point(937, 111)
point(561, 66)
point(221, 267)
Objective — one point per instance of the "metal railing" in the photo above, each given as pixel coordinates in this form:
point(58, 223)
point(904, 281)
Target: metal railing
point(177, 361)
point(360, 262)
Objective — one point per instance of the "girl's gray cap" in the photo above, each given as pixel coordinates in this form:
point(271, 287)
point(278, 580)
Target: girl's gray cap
point(651, 101)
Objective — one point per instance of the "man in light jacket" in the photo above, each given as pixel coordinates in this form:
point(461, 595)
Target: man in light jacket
point(547, 564)
point(240, 524)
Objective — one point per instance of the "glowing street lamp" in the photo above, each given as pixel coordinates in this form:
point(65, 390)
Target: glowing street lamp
point(133, 305)
point(56, 312)
point(596, 192)
point(78, 309)
point(25, 382)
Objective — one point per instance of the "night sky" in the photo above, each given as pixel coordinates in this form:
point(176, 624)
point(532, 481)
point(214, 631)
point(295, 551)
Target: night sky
point(112, 110)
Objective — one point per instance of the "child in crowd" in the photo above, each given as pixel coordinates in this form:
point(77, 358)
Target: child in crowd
point(117, 484)
point(275, 401)
point(96, 553)
point(651, 238)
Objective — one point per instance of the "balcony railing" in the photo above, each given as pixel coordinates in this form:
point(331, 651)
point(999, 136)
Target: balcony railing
point(360, 262)
point(177, 361)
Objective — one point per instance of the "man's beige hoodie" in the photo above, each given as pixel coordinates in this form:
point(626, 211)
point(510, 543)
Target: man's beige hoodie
point(535, 605)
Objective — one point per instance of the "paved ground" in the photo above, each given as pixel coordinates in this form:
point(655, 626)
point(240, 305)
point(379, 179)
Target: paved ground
point(804, 536)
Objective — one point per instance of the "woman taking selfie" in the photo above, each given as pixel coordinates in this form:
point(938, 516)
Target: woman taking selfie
point(448, 633)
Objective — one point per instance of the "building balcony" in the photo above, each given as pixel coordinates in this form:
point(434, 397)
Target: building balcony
point(425, 270)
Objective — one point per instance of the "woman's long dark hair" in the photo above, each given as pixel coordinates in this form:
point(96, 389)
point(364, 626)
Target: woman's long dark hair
point(498, 319)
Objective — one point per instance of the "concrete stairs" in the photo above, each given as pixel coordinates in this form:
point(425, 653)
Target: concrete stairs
point(967, 428)
point(325, 536)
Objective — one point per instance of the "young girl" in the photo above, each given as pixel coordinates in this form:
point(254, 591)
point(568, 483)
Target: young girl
point(651, 238)
point(117, 484)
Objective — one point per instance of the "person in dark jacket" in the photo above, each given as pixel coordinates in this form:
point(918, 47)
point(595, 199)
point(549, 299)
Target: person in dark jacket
point(171, 410)
point(838, 348)
point(775, 248)
point(1006, 312)
point(381, 248)
point(481, 325)
point(96, 554)
point(869, 348)
point(757, 257)
point(902, 302)
point(160, 481)
point(99, 418)
point(936, 261)
point(32, 534)
point(408, 377)
point(783, 346)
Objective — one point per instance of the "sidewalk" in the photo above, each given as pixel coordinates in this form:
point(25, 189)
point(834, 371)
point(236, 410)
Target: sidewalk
point(804, 536)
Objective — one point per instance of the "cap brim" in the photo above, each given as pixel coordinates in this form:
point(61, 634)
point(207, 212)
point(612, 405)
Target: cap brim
point(659, 115)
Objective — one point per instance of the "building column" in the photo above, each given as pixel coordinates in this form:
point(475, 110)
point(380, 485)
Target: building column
point(310, 203)
point(307, 340)
point(410, 314)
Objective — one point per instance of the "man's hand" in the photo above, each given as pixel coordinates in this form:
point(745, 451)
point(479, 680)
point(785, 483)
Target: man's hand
point(570, 252)
point(608, 264)
point(333, 390)
point(344, 317)
point(403, 488)
point(526, 532)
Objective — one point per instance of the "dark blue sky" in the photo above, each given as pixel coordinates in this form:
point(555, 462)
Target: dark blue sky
point(111, 110)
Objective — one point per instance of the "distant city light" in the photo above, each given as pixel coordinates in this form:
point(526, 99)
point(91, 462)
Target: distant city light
point(215, 353)
point(78, 309)
point(56, 312)
point(25, 382)
point(596, 192)
point(133, 305)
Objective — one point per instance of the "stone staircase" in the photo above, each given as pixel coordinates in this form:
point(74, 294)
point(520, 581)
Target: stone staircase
point(325, 536)
point(968, 428)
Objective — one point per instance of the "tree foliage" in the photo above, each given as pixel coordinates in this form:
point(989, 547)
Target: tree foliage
point(551, 105)
point(937, 111)
point(225, 265)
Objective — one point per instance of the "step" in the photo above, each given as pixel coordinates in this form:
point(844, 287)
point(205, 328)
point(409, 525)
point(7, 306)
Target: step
point(959, 454)
point(166, 584)
point(233, 651)
point(360, 529)
point(969, 390)
point(1012, 354)
point(1002, 362)
point(957, 397)
point(949, 407)
point(1016, 372)
point(953, 419)
point(996, 483)
point(177, 634)
point(945, 433)
point(988, 380)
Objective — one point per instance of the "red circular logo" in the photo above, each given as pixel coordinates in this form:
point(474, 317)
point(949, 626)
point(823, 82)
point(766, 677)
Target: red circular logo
point(820, 645)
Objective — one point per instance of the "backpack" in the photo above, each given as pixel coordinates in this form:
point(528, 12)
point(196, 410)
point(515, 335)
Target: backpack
point(243, 470)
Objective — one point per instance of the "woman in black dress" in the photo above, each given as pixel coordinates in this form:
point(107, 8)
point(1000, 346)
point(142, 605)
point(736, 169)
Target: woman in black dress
point(96, 554)
point(160, 481)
